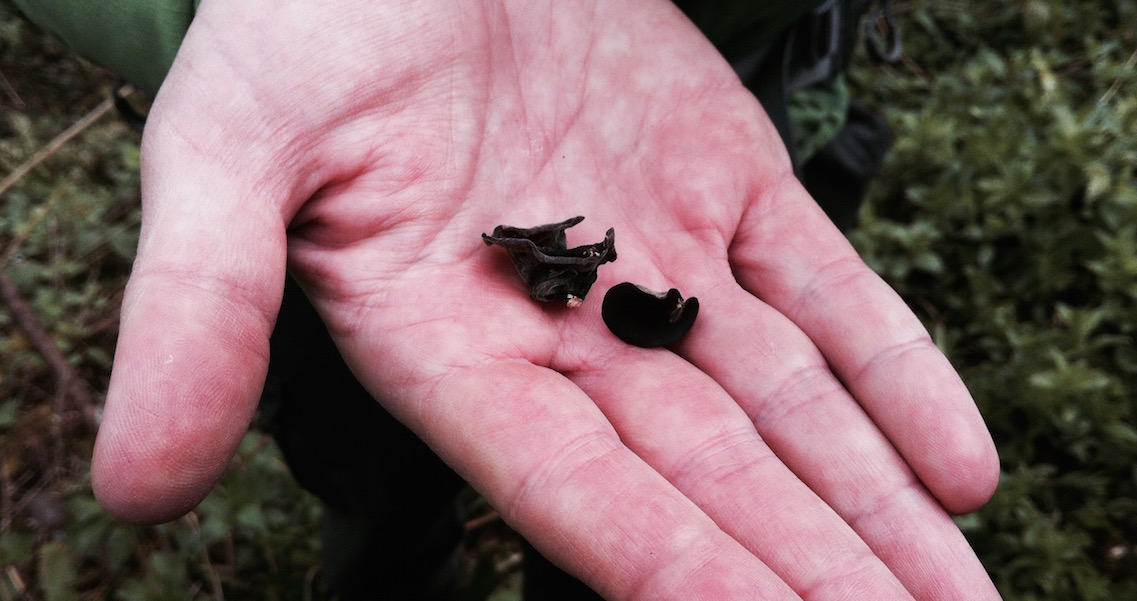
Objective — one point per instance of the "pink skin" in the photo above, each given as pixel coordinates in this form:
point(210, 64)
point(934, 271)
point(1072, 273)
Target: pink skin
point(805, 440)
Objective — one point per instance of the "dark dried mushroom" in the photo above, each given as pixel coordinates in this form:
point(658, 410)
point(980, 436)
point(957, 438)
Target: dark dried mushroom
point(554, 272)
point(645, 318)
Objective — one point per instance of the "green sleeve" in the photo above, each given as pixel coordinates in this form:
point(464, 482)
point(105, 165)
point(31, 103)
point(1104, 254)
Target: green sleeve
point(137, 39)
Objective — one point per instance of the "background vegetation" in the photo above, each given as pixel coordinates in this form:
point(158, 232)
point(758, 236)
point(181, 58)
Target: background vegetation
point(1006, 216)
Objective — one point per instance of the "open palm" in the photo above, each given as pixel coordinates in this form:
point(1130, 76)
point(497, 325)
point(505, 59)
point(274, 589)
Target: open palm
point(803, 439)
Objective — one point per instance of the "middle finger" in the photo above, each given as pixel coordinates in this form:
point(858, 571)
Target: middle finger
point(823, 435)
point(685, 425)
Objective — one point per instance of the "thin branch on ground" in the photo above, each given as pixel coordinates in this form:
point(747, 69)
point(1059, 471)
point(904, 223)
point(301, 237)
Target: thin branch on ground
point(59, 141)
point(67, 381)
point(1128, 68)
point(10, 92)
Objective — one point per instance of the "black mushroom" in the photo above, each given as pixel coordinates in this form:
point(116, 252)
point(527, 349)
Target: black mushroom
point(553, 271)
point(645, 318)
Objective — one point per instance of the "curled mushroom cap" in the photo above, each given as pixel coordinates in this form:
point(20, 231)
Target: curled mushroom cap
point(553, 271)
point(645, 318)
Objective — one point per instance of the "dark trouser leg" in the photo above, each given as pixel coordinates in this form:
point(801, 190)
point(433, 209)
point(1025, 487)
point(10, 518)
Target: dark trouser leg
point(546, 582)
point(391, 521)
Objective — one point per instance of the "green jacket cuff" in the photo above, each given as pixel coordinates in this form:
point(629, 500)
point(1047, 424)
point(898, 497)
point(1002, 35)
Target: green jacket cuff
point(137, 39)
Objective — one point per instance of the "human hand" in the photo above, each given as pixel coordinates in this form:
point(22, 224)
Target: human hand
point(803, 440)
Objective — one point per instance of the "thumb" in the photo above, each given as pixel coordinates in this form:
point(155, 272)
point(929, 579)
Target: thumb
point(196, 319)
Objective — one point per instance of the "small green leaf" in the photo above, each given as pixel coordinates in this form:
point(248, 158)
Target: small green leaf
point(9, 411)
point(56, 572)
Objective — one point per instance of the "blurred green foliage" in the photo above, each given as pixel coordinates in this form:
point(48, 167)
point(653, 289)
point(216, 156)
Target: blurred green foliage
point(68, 230)
point(1006, 216)
point(252, 538)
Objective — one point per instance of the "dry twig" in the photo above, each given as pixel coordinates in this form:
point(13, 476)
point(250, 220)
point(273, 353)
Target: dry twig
point(67, 381)
point(59, 141)
point(10, 92)
point(1128, 68)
